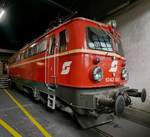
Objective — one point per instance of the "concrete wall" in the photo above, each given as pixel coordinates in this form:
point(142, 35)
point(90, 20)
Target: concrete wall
point(134, 26)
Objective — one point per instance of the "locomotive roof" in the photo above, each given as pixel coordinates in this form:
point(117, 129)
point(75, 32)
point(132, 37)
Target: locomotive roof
point(57, 27)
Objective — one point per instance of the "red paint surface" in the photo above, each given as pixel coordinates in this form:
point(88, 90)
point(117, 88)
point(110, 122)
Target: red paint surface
point(49, 70)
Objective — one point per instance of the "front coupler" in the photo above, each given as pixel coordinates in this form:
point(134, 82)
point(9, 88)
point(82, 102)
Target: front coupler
point(120, 98)
point(136, 93)
point(123, 99)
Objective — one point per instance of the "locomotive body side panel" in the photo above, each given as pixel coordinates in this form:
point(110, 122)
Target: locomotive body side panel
point(72, 67)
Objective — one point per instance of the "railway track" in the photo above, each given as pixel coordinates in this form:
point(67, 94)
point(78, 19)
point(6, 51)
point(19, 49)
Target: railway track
point(102, 133)
point(138, 116)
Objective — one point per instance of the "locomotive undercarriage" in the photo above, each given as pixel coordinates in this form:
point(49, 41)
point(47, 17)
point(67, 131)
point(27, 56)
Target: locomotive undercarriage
point(97, 101)
point(90, 107)
point(95, 107)
point(85, 101)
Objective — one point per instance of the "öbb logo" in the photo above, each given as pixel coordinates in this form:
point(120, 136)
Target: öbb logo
point(66, 68)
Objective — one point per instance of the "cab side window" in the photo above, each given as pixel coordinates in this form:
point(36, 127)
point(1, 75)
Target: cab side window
point(42, 46)
point(62, 41)
point(52, 44)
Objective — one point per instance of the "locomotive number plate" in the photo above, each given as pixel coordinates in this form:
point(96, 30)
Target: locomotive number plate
point(112, 79)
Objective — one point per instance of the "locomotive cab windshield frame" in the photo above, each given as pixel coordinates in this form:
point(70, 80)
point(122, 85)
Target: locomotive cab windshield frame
point(99, 39)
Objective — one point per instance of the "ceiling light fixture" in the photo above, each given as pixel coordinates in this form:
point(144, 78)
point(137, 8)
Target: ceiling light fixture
point(2, 12)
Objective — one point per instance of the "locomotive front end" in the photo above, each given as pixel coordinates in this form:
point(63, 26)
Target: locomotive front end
point(109, 71)
point(98, 88)
point(106, 71)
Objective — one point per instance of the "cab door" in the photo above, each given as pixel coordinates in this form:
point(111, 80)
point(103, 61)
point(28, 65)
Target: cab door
point(50, 62)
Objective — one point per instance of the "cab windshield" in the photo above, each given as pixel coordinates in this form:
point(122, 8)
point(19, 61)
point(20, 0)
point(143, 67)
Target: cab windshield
point(98, 39)
point(118, 48)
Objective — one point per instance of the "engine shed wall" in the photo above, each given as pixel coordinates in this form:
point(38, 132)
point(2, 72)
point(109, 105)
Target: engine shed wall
point(134, 25)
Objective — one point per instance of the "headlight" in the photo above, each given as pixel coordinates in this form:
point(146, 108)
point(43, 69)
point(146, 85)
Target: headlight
point(97, 73)
point(124, 74)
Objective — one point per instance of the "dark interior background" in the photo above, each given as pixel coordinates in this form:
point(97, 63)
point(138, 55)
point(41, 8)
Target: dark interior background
point(27, 19)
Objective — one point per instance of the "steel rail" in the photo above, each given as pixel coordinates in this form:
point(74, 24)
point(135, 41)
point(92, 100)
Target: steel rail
point(102, 133)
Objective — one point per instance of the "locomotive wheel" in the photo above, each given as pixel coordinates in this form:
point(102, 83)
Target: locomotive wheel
point(119, 105)
point(34, 99)
point(143, 95)
point(35, 96)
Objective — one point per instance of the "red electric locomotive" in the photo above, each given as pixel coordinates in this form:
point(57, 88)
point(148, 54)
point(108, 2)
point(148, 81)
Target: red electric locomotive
point(78, 67)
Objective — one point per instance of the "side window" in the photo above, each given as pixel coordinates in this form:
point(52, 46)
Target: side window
point(52, 44)
point(29, 52)
point(62, 41)
point(21, 56)
point(42, 46)
point(12, 60)
point(25, 54)
point(118, 47)
point(18, 58)
point(34, 50)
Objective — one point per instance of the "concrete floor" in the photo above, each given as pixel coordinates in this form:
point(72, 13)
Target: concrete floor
point(59, 124)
